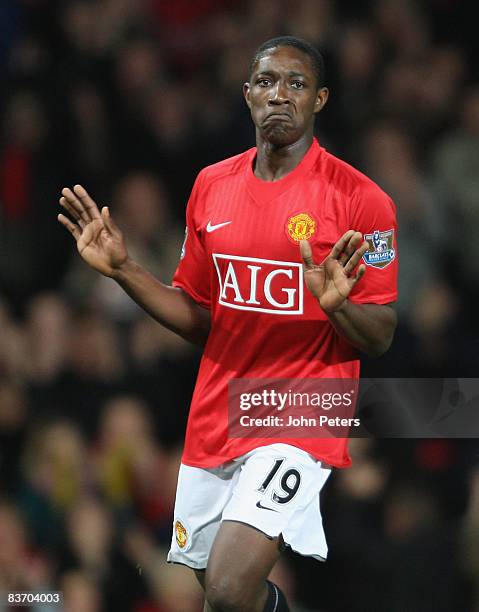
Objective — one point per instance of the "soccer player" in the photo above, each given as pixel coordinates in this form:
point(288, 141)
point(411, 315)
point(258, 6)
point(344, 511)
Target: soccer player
point(260, 227)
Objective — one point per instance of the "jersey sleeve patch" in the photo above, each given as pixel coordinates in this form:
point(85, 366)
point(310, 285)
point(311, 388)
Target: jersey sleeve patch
point(381, 250)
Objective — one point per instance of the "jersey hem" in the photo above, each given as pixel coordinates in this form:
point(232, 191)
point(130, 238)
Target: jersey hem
point(219, 460)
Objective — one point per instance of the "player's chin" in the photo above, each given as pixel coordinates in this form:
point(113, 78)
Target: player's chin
point(279, 135)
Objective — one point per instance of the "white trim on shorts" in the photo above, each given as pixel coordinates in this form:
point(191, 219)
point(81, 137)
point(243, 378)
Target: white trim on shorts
point(231, 492)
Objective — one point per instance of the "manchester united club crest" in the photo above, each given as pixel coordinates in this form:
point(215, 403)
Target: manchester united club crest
point(181, 534)
point(300, 227)
point(381, 250)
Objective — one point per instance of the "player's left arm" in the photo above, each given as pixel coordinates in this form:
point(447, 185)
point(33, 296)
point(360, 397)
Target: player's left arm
point(368, 327)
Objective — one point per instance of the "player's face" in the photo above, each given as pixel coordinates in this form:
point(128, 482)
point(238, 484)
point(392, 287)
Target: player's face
point(283, 95)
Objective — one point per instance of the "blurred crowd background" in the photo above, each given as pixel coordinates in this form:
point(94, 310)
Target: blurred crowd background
point(132, 98)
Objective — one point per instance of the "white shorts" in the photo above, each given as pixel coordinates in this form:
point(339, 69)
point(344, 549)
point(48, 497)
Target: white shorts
point(274, 488)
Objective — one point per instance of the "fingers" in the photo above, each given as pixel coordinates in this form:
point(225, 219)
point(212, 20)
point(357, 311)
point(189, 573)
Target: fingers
point(340, 245)
point(352, 245)
point(71, 203)
point(306, 254)
point(360, 273)
point(87, 202)
point(345, 251)
point(349, 250)
point(72, 211)
point(71, 227)
point(355, 259)
point(108, 221)
point(80, 204)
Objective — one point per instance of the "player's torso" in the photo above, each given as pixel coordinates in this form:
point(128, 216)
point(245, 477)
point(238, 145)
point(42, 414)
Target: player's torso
point(253, 246)
point(265, 322)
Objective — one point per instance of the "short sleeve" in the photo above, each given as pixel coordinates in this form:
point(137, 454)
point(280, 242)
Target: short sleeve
point(373, 213)
point(193, 274)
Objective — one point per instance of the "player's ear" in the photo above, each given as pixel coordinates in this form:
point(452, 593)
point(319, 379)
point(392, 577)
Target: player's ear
point(321, 99)
point(246, 92)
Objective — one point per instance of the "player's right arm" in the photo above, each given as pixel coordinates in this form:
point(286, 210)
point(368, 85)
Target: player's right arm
point(101, 244)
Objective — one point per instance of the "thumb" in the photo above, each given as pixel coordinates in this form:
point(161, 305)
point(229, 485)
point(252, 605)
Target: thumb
point(306, 254)
point(108, 221)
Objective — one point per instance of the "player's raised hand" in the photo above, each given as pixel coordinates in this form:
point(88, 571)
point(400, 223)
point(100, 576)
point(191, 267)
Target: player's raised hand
point(99, 241)
point(332, 281)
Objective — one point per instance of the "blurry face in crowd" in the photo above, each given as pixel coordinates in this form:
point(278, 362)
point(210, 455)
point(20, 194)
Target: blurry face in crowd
point(283, 95)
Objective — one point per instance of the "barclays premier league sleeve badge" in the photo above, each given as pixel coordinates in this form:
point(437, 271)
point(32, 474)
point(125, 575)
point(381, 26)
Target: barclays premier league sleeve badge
point(381, 251)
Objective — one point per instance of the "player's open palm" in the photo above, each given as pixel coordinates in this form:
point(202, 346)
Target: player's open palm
point(332, 281)
point(99, 241)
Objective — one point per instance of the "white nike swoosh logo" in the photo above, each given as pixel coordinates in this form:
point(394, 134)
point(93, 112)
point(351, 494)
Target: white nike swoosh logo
point(260, 505)
point(212, 228)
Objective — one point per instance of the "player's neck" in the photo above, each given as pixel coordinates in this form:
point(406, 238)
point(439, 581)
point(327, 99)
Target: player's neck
point(275, 162)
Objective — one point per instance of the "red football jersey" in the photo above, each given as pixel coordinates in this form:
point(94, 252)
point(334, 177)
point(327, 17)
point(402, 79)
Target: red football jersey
point(241, 259)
